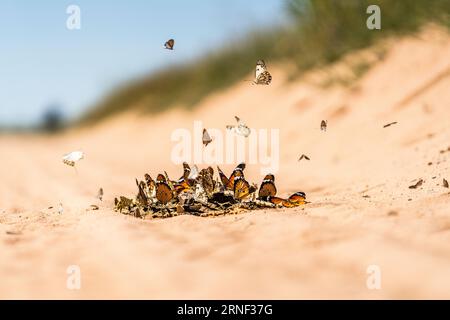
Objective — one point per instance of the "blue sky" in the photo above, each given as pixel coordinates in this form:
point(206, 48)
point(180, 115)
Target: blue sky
point(44, 63)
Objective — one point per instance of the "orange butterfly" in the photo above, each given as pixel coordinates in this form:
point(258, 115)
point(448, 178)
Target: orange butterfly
point(242, 188)
point(267, 187)
point(163, 192)
point(298, 198)
point(280, 202)
point(229, 182)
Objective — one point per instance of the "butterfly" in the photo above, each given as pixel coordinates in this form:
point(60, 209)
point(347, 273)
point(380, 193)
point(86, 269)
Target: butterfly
point(242, 188)
point(241, 128)
point(141, 197)
point(229, 182)
point(149, 181)
point(267, 187)
point(100, 194)
point(186, 172)
point(323, 125)
point(280, 202)
point(206, 178)
point(169, 44)
point(303, 156)
point(262, 76)
point(73, 157)
point(206, 137)
point(163, 192)
point(389, 124)
point(223, 177)
point(297, 198)
point(187, 180)
point(418, 184)
point(194, 173)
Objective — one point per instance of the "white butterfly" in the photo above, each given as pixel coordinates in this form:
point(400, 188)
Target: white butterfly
point(206, 138)
point(194, 173)
point(241, 128)
point(73, 157)
point(262, 76)
point(60, 208)
point(100, 194)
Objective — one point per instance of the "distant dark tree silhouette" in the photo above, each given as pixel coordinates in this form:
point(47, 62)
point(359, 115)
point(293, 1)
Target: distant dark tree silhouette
point(52, 119)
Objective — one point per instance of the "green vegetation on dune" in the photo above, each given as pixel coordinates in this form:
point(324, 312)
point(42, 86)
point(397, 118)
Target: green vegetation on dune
point(321, 32)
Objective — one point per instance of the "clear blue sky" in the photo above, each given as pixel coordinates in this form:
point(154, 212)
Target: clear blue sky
point(42, 62)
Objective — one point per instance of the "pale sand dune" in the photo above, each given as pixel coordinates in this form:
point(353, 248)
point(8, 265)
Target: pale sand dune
point(322, 251)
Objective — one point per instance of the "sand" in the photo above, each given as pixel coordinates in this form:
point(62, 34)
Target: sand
point(362, 211)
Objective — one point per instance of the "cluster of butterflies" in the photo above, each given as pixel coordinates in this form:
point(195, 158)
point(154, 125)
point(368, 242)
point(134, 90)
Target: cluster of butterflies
point(202, 186)
point(262, 76)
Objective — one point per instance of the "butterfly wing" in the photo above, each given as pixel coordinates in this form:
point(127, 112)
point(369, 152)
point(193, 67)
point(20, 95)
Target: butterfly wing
point(264, 78)
point(207, 180)
point(69, 163)
point(267, 187)
point(275, 200)
point(163, 192)
point(194, 173)
point(73, 157)
point(260, 68)
point(206, 137)
point(182, 186)
point(237, 172)
point(186, 172)
point(141, 197)
point(287, 204)
point(241, 188)
point(223, 177)
point(169, 44)
point(298, 198)
point(100, 194)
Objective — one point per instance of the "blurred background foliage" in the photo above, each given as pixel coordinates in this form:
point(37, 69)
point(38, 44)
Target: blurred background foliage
point(319, 32)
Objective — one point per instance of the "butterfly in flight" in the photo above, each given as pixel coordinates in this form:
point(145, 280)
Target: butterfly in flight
point(206, 138)
point(390, 124)
point(71, 158)
point(100, 194)
point(262, 76)
point(228, 183)
point(267, 187)
point(169, 44)
point(240, 129)
point(323, 125)
point(418, 184)
point(60, 208)
point(304, 156)
point(163, 192)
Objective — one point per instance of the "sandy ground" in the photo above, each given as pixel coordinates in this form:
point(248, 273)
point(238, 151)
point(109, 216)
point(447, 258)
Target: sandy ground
point(362, 211)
